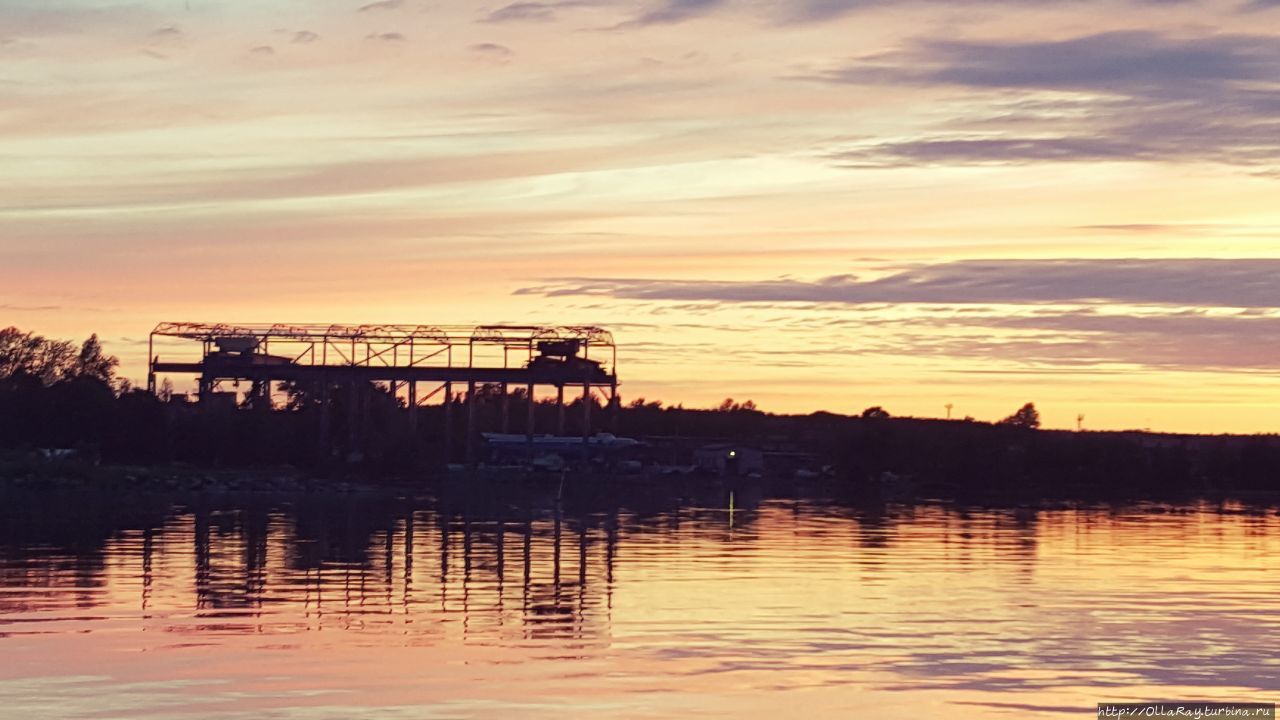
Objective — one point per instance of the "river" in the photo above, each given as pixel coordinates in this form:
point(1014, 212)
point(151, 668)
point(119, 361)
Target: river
point(625, 602)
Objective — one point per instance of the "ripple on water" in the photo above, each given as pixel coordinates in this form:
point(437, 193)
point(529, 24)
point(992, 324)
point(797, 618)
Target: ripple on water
point(378, 607)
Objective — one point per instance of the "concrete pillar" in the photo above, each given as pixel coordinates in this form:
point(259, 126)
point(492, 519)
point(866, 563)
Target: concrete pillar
point(448, 422)
point(322, 392)
point(560, 409)
point(413, 404)
point(506, 420)
point(471, 422)
point(151, 366)
point(529, 420)
point(586, 422)
point(613, 408)
point(353, 414)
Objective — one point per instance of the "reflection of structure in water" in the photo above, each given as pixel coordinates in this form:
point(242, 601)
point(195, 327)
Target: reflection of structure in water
point(408, 569)
point(491, 565)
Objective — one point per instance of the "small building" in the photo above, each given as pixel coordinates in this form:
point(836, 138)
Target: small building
point(729, 459)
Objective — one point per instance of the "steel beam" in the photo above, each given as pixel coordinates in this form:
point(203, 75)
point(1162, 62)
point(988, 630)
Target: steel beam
point(228, 370)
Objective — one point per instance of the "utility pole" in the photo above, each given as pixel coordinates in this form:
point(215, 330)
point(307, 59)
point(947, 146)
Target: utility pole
point(949, 406)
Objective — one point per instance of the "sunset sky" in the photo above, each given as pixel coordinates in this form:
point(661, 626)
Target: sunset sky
point(814, 204)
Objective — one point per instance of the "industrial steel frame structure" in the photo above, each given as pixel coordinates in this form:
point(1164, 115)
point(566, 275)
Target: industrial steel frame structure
point(403, 356)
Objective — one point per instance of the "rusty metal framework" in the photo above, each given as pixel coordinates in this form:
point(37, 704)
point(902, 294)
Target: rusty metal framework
point(402, 356)
point(377, 340)
point(383, 332)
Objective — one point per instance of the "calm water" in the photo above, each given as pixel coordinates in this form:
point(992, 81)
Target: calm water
point(630, 605)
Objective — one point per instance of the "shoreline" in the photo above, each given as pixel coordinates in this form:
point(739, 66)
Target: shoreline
point(74, 476)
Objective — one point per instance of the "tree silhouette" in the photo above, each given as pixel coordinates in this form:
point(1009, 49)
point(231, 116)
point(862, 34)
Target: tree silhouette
point(28, 354)
point(93, 363)
point(875, 413)
point(166, 390)
point(52, 361)
point(1026, 417)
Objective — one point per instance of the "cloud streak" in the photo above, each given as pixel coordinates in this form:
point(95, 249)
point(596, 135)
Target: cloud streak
point(673, 11)
point(1183, 340)
point(381, 5)
point(1120, 96)
point(1248, 283)
point(531, 11)
point(492, 52)
point(1011, 324)
point(1197, 315)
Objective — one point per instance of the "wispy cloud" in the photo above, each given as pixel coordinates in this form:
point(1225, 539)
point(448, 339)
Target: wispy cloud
point(672, 11)
point(24, 18)
point(1123, 96)
point(492, 52)
point(29, 308)
point(381, 5)
point(1186, 339)
point(1250, 283)
point(1138, 314)
point(166, 32)
point(1134, 63)
point(532, 11)
point(1003, 150)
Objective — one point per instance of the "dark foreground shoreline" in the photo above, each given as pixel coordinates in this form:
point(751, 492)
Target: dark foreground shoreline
point(35, 478)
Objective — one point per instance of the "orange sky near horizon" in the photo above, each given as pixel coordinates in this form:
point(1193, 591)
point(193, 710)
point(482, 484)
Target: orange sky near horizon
point(814, 204)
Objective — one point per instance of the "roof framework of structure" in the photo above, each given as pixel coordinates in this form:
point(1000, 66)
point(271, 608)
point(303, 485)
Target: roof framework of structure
point(511, 335)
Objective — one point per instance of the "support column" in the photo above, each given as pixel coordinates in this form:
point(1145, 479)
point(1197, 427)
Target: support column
point(471, 422)
point(448, 422)
point(151, 366)
point(586, 422)
point(353, 415)
point(506, 420)
point(613, 408)
point(560, 409)
point(367, 392)
point(413, 404)
point(322, 392)
point(529, 420)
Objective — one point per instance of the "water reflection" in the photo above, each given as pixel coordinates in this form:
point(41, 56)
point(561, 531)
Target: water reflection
point(626, 601)
point(368, 564)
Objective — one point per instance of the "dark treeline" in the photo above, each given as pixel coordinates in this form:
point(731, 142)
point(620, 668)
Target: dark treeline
point(58, 395)
point(55, 394)
point(957, 458)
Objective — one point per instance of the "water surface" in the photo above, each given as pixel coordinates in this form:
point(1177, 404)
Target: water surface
point(625, 603)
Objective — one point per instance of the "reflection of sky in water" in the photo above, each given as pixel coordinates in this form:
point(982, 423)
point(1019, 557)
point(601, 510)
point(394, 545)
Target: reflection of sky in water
point(633, 606)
